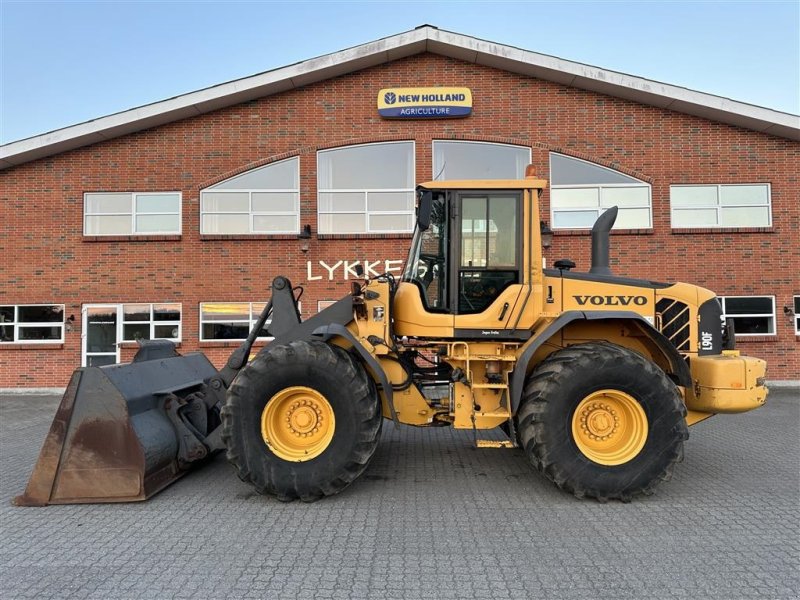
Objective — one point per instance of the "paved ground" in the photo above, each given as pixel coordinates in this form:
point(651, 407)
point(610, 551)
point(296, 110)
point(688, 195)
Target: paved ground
point(431, 518)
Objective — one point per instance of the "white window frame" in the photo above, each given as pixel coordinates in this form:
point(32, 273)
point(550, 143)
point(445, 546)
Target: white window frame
point(367, 212)
point(718, 205)
point(796, 308)
point(16, 324)
point(250, 323)
point(323, 304)
point(121, 320)
point(433, 151)
point(132, 213)
point(252, 214)
point(725, 315)
point(599, 187)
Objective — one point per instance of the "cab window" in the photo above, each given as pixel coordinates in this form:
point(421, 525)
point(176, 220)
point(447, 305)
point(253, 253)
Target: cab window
point(489, 249)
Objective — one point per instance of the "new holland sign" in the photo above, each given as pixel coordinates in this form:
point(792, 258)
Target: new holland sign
point(424, 103)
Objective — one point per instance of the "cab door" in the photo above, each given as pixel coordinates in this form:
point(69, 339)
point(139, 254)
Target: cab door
point(487, 270)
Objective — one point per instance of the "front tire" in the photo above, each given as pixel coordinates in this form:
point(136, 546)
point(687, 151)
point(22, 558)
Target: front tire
point(602, 421)
point(302, 420)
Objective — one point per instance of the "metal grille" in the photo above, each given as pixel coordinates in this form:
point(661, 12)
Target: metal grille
point(674, 322)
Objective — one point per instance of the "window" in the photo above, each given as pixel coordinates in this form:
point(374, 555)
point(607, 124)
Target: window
point(366, 189)
point(797, 315)
point(479, 160)
point(752, 315)
point(323, 304)
point(150, 322)
point(581, 191)
point(132, 213)
point(264, 200)
point(745, 205)
point(488, 259)
point(231, 320)
point(32, 323)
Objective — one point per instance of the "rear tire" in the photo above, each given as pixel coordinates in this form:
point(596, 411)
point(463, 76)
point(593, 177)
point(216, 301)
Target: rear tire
point(270, 411)
point(602, 421)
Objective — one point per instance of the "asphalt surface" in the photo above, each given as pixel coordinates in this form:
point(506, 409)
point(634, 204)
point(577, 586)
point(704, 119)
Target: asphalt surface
point(431, 518)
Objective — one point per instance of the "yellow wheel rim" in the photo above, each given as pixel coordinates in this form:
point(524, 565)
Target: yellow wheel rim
point(609, 427)
point(297, 423)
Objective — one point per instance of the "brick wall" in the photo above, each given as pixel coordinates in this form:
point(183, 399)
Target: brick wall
point(45, 257)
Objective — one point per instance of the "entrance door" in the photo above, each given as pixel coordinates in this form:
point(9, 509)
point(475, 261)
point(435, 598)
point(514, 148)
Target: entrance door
point(99, 340)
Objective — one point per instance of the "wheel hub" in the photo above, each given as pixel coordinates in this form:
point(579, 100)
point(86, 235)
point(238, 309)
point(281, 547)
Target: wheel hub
point(609, 427)
point(297, 423)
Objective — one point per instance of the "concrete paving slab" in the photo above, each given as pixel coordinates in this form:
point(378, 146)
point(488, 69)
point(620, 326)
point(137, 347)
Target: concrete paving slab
point(431, 518)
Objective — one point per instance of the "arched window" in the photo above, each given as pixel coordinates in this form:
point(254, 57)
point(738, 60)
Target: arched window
point(581, 191)
point(263, 200)
point(367, 188)
point(478, 160)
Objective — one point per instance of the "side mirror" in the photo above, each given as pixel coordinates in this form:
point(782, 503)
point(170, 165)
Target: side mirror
point(424, 209)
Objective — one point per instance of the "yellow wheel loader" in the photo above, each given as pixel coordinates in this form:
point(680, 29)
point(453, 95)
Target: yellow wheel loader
point(595, 376)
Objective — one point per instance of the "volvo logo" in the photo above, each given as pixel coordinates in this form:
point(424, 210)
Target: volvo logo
point(611, 300)
point(389, 98)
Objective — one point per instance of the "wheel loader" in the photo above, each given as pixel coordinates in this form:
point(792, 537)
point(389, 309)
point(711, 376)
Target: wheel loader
point(594, 376)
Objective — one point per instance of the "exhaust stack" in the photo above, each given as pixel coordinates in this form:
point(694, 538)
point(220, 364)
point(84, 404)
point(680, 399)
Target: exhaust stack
point(600, 241)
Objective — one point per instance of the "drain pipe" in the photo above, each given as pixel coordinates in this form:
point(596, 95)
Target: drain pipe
point(600, 241)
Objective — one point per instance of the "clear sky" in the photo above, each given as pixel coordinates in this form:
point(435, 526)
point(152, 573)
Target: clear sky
point(66, 62)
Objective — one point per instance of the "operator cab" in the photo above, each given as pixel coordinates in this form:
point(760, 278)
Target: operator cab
point(470, 251)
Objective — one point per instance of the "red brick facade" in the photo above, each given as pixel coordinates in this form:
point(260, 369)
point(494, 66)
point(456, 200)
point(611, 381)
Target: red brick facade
point(46, 258)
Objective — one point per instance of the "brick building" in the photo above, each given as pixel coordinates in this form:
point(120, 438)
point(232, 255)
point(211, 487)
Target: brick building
point(170, 220)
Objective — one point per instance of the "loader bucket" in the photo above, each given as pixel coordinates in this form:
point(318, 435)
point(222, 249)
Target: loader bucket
point(112, 439)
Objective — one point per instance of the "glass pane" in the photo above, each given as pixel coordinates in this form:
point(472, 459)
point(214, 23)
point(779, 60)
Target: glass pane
point(157, 224)
point(119, 225)
point(274, 202)
point(745, 216)
point(343, 223)
point(632, 218)
point(472, 160)
point(390, 201)
point(100, 361)
point(6, 314)
point(626, 197)
point(342, 202)
point(282, 175)
point(132, 333)
point(107, 203)
point(39, 333)
point(703, 217)
point(157, 203)
point(226, 223)
point(136, 312)
point(374, 166)
point(753, 305)
point(502, 231)
point(744, 194)
point(571, 171)
point(167, 332)
point(225, 202)
point(797, 305)
point(575, 198)
point(275, 224)
point(693, 195)
point(166, 312)
point(6, 333)
point(229, 311)
point(225, 331)
point(757, 325)
point(473, 232)
point(582, 218)
point(101, 334)
point(40, 314)
point(390, 223)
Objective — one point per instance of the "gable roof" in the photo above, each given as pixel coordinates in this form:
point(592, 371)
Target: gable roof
point(425, 38)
